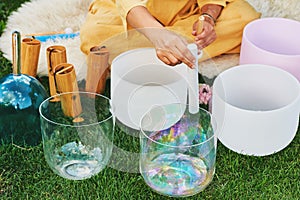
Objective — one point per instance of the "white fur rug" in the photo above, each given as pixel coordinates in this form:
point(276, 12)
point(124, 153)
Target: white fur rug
point(40, 16)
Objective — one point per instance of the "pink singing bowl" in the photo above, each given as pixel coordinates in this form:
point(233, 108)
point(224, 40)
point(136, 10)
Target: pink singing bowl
point(272, 41)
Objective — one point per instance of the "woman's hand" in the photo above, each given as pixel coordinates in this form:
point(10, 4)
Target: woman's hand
point(170, 47)
point(207, 35)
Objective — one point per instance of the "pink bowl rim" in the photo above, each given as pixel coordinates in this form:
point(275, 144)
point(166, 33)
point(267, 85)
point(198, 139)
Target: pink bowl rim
point(260, 20)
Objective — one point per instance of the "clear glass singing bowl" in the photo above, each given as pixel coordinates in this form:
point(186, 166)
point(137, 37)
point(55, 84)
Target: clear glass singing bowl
point(178, 149)
point(77, 146)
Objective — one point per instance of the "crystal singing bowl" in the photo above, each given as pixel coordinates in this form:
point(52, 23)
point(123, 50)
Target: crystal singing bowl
point(20, 97)
point(178, 150)
point(272, 41)
point(77, 147)
point(139, 79)
point(256, 108)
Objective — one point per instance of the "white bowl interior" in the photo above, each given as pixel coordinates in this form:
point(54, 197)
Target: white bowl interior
point(139, 80)
point(258, 88)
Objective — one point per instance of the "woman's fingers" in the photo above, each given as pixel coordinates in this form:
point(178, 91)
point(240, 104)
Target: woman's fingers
point(176, 56)
point(166, 56)
point(171, 48)
point(203, 42)
point(185, 55)
point(207, 36)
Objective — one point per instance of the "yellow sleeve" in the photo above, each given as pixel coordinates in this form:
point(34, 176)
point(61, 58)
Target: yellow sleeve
point(124, 7)
point(218, 2)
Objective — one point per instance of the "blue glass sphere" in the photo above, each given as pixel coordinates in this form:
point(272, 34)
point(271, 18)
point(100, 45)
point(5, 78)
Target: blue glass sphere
point(20, 97)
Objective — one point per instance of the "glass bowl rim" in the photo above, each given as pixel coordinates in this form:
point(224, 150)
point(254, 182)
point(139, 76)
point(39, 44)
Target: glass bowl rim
point(212, 120)
point(74, 126)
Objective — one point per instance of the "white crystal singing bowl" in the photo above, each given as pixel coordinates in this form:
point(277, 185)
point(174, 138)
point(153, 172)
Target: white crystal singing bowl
point(139, 80)
point(256, 108)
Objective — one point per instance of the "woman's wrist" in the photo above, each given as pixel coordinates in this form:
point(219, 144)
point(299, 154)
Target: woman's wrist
point(207, 16)
point(211, 12)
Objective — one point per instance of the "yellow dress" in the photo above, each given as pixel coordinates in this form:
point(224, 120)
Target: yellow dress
point(107, 18)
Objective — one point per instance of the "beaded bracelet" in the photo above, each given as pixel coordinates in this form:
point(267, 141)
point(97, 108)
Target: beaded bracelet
point(209, 16)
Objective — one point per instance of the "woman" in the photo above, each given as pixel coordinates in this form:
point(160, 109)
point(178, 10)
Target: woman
point(159, 20)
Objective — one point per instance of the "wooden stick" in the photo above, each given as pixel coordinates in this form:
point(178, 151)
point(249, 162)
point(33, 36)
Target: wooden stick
point(97, 69)
point(44, 33)
point(65, 79)
point(30, 52)
point(55, 55)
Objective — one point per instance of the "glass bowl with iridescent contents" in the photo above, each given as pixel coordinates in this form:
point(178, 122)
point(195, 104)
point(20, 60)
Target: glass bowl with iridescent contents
point(178, 149)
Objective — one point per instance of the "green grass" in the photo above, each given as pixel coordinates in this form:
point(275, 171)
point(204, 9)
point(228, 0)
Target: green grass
point(24, 173)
